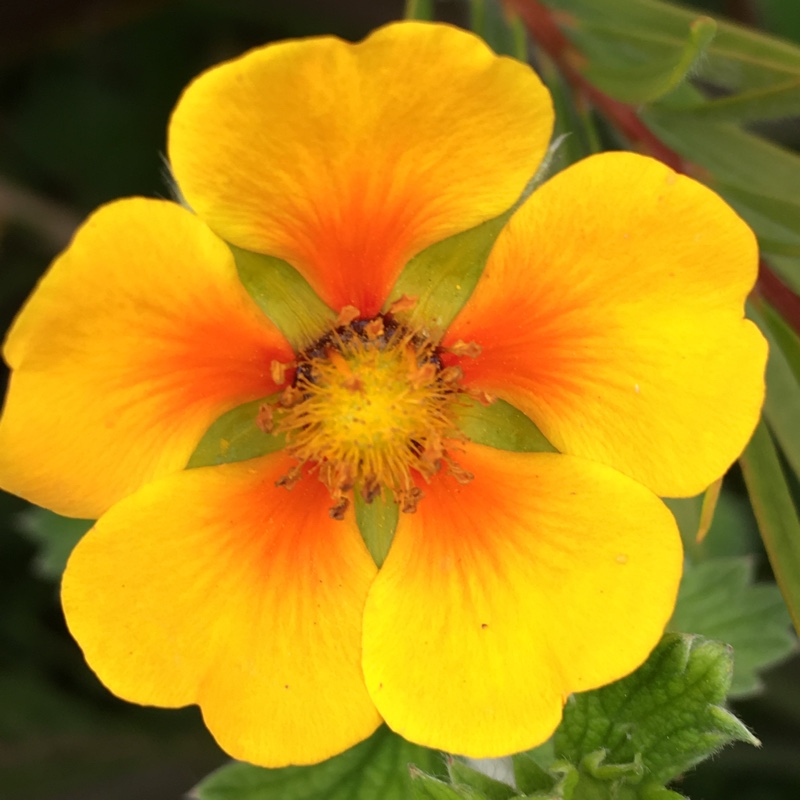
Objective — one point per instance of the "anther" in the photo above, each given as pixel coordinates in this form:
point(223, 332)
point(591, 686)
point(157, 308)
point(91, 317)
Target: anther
point(468, 349)
point(484, 398)
point(290, 397)
point(347, 315)
point(338, 511)
point(370, 490)
point(451, 375)
point(290, 479)
point(374, 328)
point(264, 418)
point(409, 499)
point(278, 370)
point(423, 376)
point(403, 303)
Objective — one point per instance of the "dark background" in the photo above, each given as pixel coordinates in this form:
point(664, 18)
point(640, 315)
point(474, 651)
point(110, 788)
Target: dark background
point(86, 89)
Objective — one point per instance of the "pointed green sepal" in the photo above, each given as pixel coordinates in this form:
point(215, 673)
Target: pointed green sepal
point(285, 296)
point(236, 436)
point(441, 278)
point(377, 522)
point(500, 425)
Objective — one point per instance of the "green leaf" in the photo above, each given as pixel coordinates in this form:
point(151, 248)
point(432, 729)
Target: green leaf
point(782, 404)
point(718, 600)
point(667, 712)
point(462, 775)
point(55, 537)
point(644, 83)
point(285, 296)
point(531, 773)
point(442, 276)
point(772, 102)
point(418, 9)
point(631, 32)
point(503, 33)
point(375, 768)
point(426, 787)
point(776, 515)
point(236, 436)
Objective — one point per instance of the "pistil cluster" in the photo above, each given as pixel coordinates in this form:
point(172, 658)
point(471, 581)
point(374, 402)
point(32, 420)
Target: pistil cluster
point(370, 408)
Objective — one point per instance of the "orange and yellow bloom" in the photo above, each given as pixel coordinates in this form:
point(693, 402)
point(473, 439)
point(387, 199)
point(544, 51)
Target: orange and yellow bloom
point(610, 312)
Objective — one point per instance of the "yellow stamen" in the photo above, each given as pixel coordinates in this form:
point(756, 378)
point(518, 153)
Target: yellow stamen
point(371, 408)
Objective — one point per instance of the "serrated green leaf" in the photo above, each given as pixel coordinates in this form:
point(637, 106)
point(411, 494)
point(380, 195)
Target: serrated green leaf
point(236, 436)
point(284, 295)
point(776, 515)
point(55, 537)
point(666, 711)
point(717, 599)
point(462, 775)
point(378, 767)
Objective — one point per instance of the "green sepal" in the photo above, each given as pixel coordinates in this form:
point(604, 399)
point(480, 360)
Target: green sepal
point(718, 599)
point(667, 713)
point(285, 296)
point(377, 522)
point(236, 436)
point(442, 277)
point(377, 767)
point(500, 425)
point(54, 536)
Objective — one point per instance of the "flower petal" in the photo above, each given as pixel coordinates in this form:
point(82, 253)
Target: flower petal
point(345, 160)
point(138, 338)
point(547, 574)
point(611, 313)
point(215, 587)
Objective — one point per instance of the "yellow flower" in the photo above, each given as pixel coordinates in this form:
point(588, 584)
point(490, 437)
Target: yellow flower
point(610, 313)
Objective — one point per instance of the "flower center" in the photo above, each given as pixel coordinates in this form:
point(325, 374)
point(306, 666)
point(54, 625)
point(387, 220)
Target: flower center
point(371, 407)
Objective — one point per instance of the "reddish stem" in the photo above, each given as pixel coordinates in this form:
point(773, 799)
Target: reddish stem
point(543, 28)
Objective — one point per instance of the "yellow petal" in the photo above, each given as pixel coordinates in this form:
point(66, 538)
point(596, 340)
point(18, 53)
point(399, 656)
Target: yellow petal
point(346, 160)
point(545, 575)
point(215, 587)
point(137, 339)
point(611, 312)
